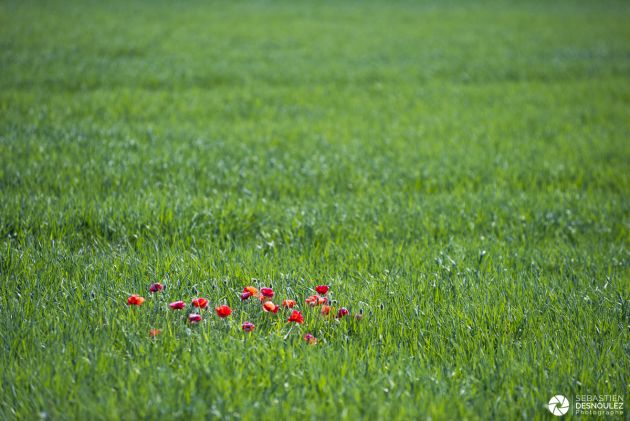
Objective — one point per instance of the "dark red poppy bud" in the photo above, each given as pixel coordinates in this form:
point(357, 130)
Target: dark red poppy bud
point(156, 287)
point(177, 305)
point(342, 312)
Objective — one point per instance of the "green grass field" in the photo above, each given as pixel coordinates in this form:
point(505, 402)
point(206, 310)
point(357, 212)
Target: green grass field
point(458, 171)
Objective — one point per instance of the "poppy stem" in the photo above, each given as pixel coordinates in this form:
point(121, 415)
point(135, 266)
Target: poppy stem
point(288, 333)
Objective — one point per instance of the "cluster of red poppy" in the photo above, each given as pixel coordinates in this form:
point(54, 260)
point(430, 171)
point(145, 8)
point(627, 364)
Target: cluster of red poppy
point(265, 296)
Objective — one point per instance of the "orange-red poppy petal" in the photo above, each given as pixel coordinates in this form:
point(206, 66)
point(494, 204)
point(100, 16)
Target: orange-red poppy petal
point(223, 311)
point(288, 303)
point(135, 300)
point(200, 302)
point(296, 317)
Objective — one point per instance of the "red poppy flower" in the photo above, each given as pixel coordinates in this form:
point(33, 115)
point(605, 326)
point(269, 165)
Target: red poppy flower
point(270, 307)
point(253, 292)
point(135, 300)
point(223, 311)
point(342, 312)
point(316, 300)
point(200, 303)
point(154, 332)
point(288, 303)
point(194, 318)
point(156, 287)
point(248, 327)
point(322, 289)
point(310, 339)
point(177, 305)
point(245, 296)
point(326, 310)
point(267, 292)
point(296, 317)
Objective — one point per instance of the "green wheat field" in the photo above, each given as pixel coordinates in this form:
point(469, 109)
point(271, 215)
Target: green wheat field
point(457, 172)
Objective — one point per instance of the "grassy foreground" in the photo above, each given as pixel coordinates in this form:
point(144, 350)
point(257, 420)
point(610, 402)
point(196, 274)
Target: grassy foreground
point(457, 171)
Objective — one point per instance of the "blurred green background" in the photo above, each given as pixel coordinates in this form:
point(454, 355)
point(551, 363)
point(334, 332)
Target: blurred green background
point(458, 171)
